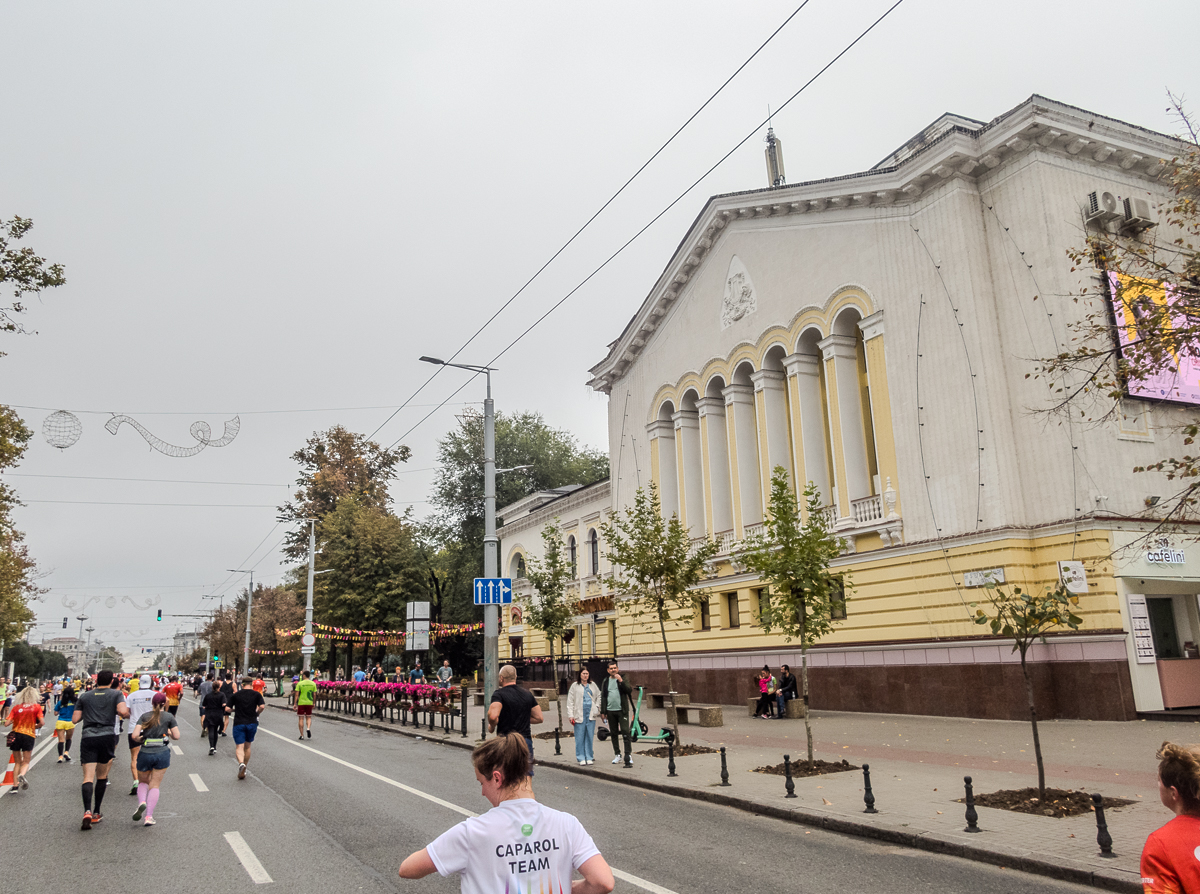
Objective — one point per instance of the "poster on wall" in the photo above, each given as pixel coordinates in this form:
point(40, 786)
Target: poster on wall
point(1074, 577)
point(1139, 620)
point(1137, 305)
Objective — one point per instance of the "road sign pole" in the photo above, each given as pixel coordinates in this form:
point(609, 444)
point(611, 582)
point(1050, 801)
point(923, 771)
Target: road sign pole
point(491, 558)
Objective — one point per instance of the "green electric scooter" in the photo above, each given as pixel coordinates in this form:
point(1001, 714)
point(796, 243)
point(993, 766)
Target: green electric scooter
point(638, 731)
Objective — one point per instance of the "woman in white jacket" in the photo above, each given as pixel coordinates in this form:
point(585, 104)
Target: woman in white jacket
point(583, 707)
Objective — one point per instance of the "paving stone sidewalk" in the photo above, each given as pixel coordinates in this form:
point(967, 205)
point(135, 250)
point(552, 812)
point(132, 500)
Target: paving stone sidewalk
point(917, 768)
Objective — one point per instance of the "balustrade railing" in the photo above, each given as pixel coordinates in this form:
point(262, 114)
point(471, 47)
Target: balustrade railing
point(753, 530)
point(867, 509)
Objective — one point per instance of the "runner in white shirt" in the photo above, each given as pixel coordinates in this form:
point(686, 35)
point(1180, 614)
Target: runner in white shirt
point(519, 844)
point(140, 702)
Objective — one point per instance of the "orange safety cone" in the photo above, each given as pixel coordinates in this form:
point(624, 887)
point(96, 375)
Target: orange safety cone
point(9, 775)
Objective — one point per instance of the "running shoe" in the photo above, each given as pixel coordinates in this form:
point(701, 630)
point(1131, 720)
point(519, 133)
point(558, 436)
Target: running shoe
point(302, 738)
point(60, 759)
point(241, 771)
point(23, 781)
point(308, 732)
point(67, 757)
point(617, 759)
point(96, 816)
point(140, 812)
point(149, 821)
point(87, 821)
point(133, 791)
point(211, 752)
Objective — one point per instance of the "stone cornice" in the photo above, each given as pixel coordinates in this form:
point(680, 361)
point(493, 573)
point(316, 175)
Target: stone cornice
point(957, 151)
point(555, 508)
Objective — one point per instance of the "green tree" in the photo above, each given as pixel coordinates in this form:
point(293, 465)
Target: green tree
point(333, 465)
point(374, 568)
point(34, 663)
point(22, 272)
point(792, 557)
point(1152, 277)
point(655, 566)
point(549, 611)
point(1025, 618)
point(160, 661)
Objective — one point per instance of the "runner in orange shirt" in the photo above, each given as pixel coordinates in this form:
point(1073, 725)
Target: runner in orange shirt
point(1169, 859)
point(259, 685)
point(173, 691)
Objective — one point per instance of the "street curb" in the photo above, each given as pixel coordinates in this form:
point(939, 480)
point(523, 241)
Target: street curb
point(1109, 880)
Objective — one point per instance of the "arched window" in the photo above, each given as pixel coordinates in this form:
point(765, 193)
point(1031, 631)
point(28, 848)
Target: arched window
point(572, 556)
point(594, 551)
point(516, 568)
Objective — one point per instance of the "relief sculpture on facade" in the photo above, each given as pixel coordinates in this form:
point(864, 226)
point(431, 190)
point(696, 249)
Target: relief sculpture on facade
point(740, 299)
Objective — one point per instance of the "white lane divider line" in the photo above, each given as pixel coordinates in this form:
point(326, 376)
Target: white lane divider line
point(40, 750)
point(624, 876)
point(373, 775)
point(246, 857)
point(177, 750)
point(198, 782)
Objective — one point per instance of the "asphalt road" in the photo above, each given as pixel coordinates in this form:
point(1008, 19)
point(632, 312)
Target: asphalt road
point(338, 812)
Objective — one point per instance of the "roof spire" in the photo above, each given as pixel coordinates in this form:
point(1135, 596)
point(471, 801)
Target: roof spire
point(774, 154)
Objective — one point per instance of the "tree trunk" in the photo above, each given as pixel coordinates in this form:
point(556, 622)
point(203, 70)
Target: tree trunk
point(554, 675)
point(1037, 742)
point(804, 681)
point(662, 627)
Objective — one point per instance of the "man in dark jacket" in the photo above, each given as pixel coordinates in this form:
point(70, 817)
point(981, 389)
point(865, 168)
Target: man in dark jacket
point(786, 690)
point(614, 708)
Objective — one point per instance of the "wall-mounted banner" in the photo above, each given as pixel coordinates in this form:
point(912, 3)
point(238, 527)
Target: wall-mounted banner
point(982, 577)
point(1139, 620)
point(1074, 577)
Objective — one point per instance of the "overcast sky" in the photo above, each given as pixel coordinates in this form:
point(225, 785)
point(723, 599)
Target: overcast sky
point(272, 210)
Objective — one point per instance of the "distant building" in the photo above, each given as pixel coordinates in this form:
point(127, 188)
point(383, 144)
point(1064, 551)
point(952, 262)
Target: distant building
point(70, 646)
point(185, 643)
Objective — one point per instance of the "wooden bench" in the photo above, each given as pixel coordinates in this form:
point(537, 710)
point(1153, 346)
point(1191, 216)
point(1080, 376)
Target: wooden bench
point(660, 699)
point(478, 699)
point(706, 715)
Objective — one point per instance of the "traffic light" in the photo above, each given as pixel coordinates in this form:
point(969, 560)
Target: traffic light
point(160, 614)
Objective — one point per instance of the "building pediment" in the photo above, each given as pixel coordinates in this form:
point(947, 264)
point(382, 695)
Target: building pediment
point(951, 147)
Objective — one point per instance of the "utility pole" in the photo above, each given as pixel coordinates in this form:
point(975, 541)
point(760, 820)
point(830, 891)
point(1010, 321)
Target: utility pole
point(80, 619)
point(249, 606)
point(308, 606)
point(87, 651)
point(491, 544)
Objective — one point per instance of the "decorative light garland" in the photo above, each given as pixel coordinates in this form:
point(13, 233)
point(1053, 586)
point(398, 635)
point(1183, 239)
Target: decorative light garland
point(380, 637)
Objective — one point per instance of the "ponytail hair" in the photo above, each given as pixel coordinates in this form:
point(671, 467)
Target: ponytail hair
point(1179, 768)
point(508, 754)
point(156, 709)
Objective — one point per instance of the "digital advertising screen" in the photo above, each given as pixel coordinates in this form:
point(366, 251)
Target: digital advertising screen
point(1137, 304)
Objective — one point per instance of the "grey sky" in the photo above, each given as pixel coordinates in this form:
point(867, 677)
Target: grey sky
point(280, 206)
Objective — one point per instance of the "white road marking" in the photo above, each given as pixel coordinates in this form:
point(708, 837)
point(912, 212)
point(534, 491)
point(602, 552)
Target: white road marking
point(38, 754)
point(177, 750)
point(246, 857)
point(624, 876)
point(198, 782)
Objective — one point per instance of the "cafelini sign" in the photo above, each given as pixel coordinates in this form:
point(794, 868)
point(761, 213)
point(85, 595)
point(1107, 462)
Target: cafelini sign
point(1166, 556)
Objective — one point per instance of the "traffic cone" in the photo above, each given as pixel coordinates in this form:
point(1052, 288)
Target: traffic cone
point(9, 777)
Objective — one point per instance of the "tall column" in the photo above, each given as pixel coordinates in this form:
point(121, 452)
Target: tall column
point(742, 425)
point(715, 443)
point(881, 405)
point(808, 417)
point(691, 470)
point(776, 447)
point(663, 465)
point(849, 441)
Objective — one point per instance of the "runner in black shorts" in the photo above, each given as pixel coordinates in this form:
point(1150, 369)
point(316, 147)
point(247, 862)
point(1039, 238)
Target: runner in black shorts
point(99, 710)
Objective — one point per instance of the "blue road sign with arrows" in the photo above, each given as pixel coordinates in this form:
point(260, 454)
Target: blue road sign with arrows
point(493, 590)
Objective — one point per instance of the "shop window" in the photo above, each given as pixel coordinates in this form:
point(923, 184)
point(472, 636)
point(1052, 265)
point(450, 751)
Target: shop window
point(1162, 627)
point(731, 610)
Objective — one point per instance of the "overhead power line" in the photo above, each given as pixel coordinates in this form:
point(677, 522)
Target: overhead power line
point(586, 224)
point(647, 226)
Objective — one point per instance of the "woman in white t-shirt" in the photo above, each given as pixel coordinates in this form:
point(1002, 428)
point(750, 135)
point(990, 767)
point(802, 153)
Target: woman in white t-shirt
point(517, 845)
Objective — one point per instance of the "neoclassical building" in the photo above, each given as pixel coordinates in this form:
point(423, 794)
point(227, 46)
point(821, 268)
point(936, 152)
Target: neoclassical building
point(876, 334)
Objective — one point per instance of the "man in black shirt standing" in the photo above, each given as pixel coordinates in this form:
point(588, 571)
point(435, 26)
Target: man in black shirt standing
point(247, 704)
point(98, 710)
point(513, 709)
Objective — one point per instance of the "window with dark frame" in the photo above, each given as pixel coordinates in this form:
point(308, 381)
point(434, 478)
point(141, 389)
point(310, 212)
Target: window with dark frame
point(731, 610)
point(571, 555)
point(705, 615)
point(594, 550)
point(837, 601)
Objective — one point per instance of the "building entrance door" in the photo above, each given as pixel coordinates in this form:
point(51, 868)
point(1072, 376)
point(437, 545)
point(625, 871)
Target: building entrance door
point(1162, 627)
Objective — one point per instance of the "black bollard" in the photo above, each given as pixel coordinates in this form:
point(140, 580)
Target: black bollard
point(1102, 837)
point(557, 743)
point(671, 758)
point(868, 795)
point(429, 712)
point(483, 729)
point(724, 769)
point(787, 775)
point(403, 716)
point(972, 816)
point(462, 720)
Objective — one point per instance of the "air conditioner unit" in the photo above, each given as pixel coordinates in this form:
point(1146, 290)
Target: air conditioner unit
point(1137, 216)
point(1101, 207)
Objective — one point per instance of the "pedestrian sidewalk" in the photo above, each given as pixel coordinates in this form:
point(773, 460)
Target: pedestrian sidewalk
point(917, 766)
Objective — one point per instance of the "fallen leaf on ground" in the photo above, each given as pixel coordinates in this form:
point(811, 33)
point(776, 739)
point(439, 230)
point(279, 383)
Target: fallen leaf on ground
point(826, 802)
point(939, 813)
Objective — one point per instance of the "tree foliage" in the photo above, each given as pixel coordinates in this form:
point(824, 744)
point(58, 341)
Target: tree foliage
point(1025, 618)
point(549, 611)
point(23, 271)
point(333, 465)
point(34, 663)
point(655, 566)
point(1152, 278)
point(792, 556)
